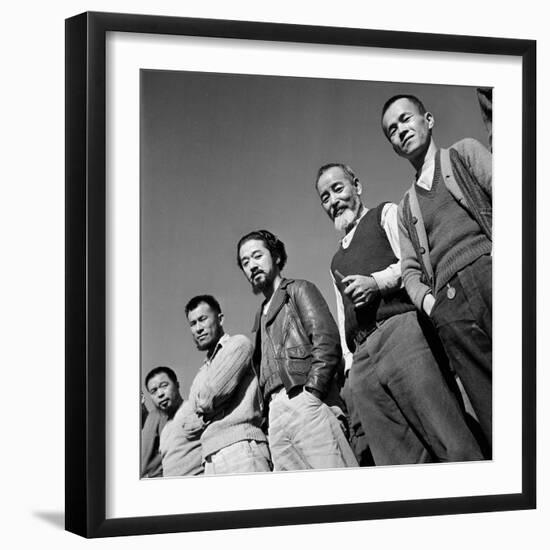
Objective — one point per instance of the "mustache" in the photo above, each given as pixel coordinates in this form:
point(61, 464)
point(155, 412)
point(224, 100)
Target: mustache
point(344, 220)
point(337, 211)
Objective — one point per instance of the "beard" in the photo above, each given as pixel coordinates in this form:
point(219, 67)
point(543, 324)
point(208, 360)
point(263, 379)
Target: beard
point(260, 284)
point(344, 220)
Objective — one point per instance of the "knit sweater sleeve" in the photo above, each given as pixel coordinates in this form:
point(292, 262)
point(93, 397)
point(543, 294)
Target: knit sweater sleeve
point(479, 161)
point(224, 374)
point(411, 271)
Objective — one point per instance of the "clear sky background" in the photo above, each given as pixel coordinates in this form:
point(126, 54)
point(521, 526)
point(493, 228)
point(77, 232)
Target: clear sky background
point(222, 155)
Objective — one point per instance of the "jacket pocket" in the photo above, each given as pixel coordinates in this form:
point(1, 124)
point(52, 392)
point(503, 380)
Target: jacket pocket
point(299, 352)
point(299, 359)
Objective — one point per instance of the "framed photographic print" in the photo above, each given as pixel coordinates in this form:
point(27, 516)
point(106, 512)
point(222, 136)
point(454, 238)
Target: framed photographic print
point(184, 138)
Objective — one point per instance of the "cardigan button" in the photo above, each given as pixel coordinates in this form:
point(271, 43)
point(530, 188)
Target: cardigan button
point(422, 250)
point(414, 220)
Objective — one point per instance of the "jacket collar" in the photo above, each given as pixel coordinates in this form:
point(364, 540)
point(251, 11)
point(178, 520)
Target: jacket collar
point(276, 304)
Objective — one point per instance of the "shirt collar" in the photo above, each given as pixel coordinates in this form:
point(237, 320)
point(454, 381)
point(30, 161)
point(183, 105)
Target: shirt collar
point(427, 166)
point(349, 235)
point(219, 345)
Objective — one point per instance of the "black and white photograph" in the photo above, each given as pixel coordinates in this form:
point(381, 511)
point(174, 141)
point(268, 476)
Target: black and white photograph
point(219, 329)
point(315, 273)
point(297, 294)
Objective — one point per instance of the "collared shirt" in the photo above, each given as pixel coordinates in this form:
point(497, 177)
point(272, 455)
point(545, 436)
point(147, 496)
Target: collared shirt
point(388, 280)
point(425, 176)
point(217, 348)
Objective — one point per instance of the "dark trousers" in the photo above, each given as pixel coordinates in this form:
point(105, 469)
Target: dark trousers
point(404, 399)
point(463, 318)
point(357, 437)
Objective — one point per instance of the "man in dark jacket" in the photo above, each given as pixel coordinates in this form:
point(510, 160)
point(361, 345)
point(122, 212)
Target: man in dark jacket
point(296, 356)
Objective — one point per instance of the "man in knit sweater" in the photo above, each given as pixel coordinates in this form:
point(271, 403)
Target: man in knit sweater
point(178, 427)
point(225, 395)
point(446, 243)
point(396, 387)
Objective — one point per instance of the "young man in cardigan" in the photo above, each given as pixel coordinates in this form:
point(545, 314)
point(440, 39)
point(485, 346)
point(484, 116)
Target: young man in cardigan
point(399, 393)
point(445, 223)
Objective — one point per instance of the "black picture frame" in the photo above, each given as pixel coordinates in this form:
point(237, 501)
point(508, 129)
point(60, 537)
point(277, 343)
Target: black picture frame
point(86, 273)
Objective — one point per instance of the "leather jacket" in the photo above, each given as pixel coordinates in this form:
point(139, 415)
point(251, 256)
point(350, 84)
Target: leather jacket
point(302, 336)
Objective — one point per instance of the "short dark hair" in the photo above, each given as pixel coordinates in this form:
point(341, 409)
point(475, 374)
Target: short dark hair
point(344, 167)
point(275, 246)
point(411, 98)
point(159, 370)
point(203, 298)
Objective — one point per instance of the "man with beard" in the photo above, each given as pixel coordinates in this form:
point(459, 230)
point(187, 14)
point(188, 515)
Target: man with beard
point(179, 445)
point(225, 396)
point(296, 356)
point(399, 394)
point(445, 230)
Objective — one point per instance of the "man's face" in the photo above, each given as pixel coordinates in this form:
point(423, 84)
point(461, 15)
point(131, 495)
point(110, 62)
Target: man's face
point(257, 264)
point(206, 326)
point(408, 130)
point(339, 197)
point(164, 392)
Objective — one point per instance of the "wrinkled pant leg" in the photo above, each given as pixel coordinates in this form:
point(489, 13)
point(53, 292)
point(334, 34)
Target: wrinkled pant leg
point(242, 457)
point(414, 414)
point(357, 438)
point(464, 324)
point(425, 390)
point(305, 434)
point(284, 453)
point(390, 437)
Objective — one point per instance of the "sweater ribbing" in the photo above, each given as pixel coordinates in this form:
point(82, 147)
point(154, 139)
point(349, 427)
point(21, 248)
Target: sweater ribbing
point(455, 239)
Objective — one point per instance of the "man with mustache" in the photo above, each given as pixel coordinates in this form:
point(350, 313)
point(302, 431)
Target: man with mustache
point(296, 356)
point(395, 387)
point(179, 445)
point(224, 394)
point(445, 229)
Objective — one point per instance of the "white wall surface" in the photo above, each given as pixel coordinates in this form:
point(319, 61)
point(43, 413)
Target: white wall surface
point(32, 274)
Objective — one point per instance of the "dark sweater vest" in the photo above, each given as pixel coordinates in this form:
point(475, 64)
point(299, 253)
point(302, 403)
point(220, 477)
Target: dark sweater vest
point(455, 239)
point(368, 252)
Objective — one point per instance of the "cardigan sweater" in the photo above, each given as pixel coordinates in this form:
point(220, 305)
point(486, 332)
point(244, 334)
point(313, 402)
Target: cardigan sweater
point(472, 169)
point(454, 237)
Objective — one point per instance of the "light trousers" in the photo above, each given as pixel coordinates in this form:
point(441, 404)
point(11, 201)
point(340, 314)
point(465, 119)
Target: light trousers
point(305, 434)
point(239, 458)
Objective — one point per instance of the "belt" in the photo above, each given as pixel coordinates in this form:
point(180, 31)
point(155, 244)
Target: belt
point(363, 333)
point(296, 390)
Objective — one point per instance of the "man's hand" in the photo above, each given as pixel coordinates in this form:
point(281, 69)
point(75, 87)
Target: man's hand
point(360, 289)
point(193, 426)
point(428, 303)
